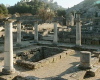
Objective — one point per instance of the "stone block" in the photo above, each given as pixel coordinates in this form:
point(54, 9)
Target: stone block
point(69, 52)
point(36, 65)
point(93, 72)
point(57, 57)
point(54, 58)
point(79, 75)
point(44, 62)
point(50, 59)
point(63, 55)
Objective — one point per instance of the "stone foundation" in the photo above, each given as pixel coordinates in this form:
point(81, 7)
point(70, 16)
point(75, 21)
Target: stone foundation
point(42, 57)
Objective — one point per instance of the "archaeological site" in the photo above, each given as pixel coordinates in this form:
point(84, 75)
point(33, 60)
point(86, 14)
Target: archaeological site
point(43, 40)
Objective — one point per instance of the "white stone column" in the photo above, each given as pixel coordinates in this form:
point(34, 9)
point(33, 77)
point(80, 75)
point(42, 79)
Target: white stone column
point(55, 40)
point(74, 14)
point(18, 32)
point(8, 48)
point(36, 32)
point(78, 30)
point(72, 20)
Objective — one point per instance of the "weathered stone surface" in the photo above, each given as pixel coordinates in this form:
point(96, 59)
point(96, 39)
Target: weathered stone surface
point(93, 72)
point(36, 58)
point(8, 77)
point(85, 60)
point(79, 75)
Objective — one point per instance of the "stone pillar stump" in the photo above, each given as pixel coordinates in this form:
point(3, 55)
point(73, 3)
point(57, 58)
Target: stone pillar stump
point(85, 60)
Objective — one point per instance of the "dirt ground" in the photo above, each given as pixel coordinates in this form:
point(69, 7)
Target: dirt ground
point(60, 70)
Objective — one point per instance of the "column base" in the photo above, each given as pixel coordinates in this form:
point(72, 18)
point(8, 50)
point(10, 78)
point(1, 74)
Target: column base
point(55, 43)
point(78, 45)
point(8, 72)
point(35, 41)
point(84, 68)
point(18, 44)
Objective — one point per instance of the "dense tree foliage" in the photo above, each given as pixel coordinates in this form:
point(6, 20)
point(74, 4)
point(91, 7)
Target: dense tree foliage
point(30, 7)
point(44, 11)
point(45, 15)
point(62, 13)
point(3, 11)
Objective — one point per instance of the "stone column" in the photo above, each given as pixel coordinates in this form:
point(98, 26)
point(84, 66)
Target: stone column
point(85, 60)
point(55, 40)
point(74, 14)
point(72, 20)
point(8, 48)
point(78, 30)
point(19, 33)
point(36, 32)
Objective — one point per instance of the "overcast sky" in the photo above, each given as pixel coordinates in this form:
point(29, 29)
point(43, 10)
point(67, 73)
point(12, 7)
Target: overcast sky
point(63, 3)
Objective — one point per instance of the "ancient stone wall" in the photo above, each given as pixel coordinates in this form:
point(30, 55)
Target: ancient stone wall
point(30, 58)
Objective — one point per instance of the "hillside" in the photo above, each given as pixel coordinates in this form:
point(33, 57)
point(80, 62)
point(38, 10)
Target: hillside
point(88, 8)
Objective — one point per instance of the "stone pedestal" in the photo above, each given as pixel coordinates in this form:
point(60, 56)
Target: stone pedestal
point(8, 48)
point(78, 30)
point(18, 33)
point(85, 60)
point(55, 40)
point(36, 32)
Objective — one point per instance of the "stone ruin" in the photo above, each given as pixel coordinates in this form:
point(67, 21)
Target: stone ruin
point(39, 57)
point(42, 56)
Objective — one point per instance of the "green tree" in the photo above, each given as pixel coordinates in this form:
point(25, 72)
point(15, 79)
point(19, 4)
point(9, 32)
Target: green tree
point(3, 11)
point(45, 15)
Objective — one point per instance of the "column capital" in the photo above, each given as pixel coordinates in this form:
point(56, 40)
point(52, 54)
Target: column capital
point(78, 12)
point(9, 20)
point(18, 22)
point(36, 22)
point(55, 21)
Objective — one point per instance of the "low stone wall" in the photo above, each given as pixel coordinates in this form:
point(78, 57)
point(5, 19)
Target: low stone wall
point(46, 61)
point(66, 37)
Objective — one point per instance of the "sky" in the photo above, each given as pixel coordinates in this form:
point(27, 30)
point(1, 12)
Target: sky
point(63, 3)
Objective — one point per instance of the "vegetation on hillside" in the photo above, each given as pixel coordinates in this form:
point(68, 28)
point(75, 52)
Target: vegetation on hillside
point(3, 11)
point(30, 7)
point(44, 11)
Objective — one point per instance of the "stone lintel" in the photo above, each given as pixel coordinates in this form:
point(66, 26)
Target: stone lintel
point(18, 22)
